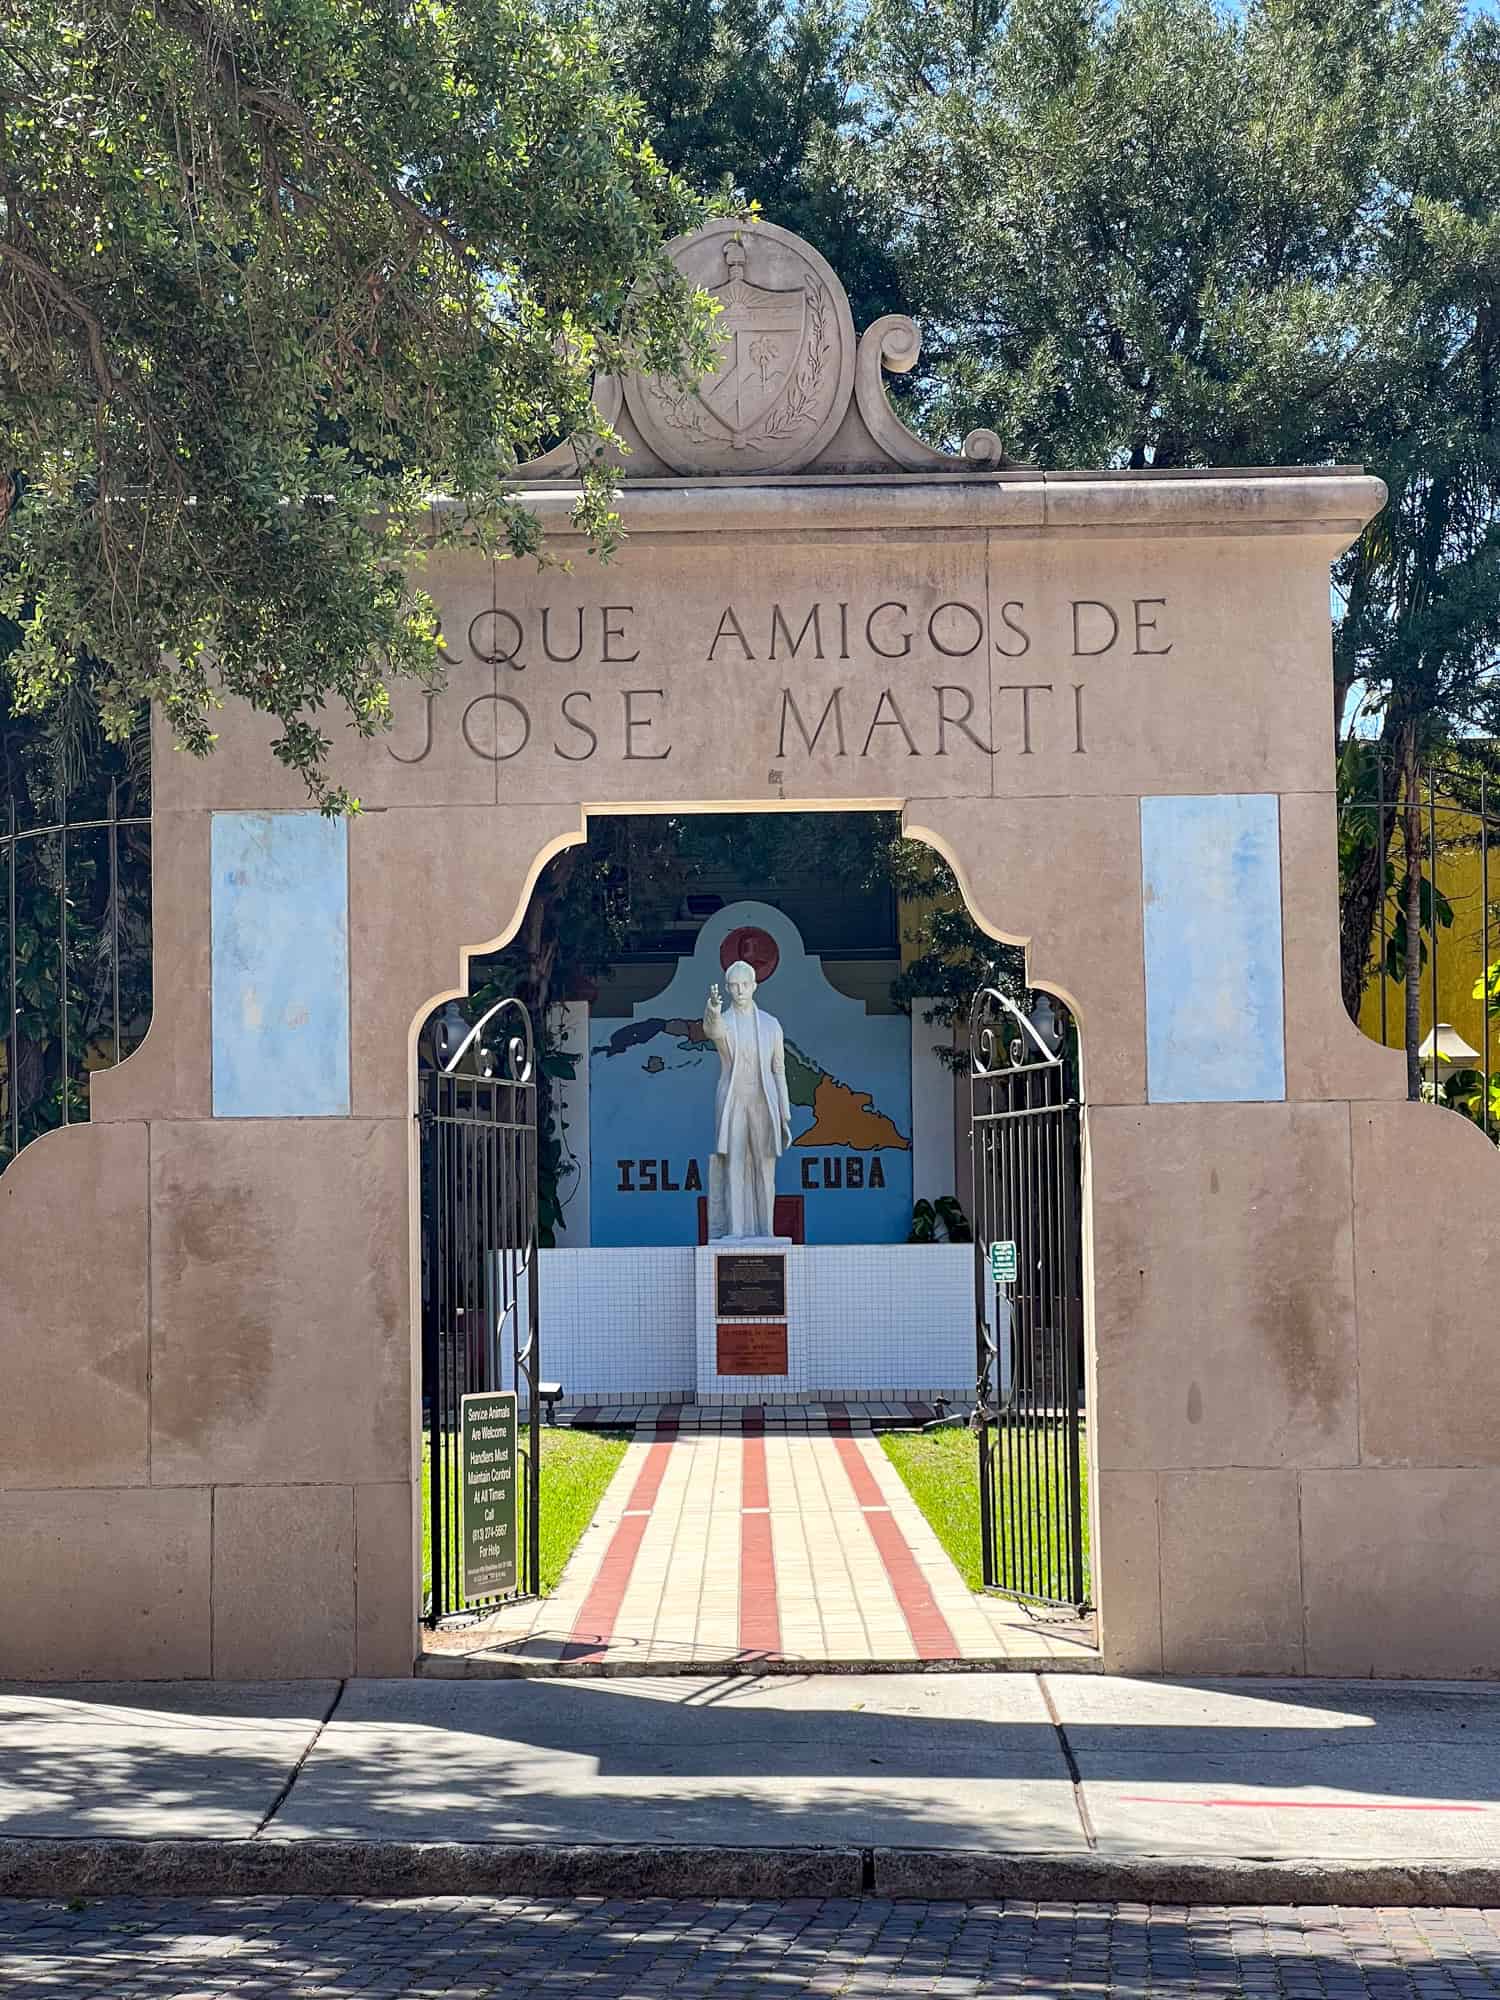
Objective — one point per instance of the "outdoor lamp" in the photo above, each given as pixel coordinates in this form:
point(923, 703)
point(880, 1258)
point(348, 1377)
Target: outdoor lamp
point(1045, 1019)
point(448, 1031)
point(1445, 1049)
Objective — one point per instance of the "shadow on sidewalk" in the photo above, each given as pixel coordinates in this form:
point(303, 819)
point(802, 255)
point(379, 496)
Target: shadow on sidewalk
point(962, 1760)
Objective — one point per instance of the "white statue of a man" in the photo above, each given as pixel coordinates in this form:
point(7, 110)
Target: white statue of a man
point(752, 1113)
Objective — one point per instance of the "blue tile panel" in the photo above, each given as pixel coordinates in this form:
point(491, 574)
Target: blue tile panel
point(1211, 884)
point(280, 965)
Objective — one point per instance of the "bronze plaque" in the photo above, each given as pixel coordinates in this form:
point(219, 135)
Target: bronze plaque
point(747, 1349)
point(750, 1286)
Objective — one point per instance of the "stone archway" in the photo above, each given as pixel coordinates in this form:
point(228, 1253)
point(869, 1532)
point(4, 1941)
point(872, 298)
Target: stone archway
point(1105, 699)
point(890, 1325)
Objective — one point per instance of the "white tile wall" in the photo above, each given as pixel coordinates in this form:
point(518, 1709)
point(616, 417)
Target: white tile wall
point(889, 1316)
point(863, 1319)
point(618, 1323)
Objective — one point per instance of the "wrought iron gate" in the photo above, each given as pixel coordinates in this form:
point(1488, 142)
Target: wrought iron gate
point(75, 954)
point(1026, 1132)
point(479, 1283)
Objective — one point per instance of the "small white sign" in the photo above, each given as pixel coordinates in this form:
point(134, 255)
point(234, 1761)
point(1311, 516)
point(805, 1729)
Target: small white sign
point(1003, 1263)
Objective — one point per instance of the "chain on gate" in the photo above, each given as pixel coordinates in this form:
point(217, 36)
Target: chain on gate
point(479, 1296)
point(1029, 1299)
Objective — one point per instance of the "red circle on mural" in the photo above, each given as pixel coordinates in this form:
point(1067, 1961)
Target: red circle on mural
point(756, 947)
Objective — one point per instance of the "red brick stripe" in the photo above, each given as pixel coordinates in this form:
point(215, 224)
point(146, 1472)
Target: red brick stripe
point(754, 1488)
point(648, 1480)
point(1304, 1805)
point(760, 1621)
point(929, 1629)
point(595, 1622)
point(866, 1491)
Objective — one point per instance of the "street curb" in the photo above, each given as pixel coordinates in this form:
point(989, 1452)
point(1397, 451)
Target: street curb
point(501, 1667)
point(66, 1869)
point(397, 1868)
point(958, 1875)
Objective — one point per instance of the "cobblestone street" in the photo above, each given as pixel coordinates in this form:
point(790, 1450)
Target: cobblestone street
point(298, 1948)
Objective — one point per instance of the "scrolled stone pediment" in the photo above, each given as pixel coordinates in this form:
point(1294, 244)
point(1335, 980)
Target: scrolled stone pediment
point(794, 391)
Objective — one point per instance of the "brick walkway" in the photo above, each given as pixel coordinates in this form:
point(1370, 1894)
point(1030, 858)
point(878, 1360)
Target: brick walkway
point(270, 1948)
point(791, 1413)
point(737, 1547)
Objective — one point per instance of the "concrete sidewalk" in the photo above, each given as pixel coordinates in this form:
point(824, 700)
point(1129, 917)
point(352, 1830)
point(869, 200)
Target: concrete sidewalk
point(932, 1785)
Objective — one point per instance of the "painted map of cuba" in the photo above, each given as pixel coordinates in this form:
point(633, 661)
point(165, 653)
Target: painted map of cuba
point(842, 1115)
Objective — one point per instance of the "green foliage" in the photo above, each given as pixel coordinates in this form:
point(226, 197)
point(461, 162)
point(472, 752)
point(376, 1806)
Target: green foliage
point(1145, 229)
point(272, 276)
point(46, 763)
point(948, 957)
point(940, 1470)
point(1372, 840)
point(768, 101)
point(940, 1221)
point(577, 1467)
point(1464, 1092)
point(1434, 910)
point(951, 1215)
point(1170, 233)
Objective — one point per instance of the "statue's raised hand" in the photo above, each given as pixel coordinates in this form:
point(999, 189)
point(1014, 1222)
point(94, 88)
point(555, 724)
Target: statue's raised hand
point(715, 1004)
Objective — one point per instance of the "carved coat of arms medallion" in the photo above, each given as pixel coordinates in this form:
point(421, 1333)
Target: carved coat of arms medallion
point(785, 363)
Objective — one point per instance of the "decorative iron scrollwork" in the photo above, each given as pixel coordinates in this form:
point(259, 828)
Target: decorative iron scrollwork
point(519, 1045)
point(991, 1013)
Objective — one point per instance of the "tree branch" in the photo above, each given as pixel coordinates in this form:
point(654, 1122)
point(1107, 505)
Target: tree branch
point(47, 279)
point(278, 110)
point(195, 22)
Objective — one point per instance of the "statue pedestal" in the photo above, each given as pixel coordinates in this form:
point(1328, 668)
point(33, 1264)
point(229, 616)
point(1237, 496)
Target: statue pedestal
point(747, 1298)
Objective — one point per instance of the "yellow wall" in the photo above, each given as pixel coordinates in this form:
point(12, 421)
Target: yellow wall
point(1460, 950)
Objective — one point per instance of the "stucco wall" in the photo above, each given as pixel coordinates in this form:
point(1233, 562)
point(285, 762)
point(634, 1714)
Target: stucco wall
point(208, 1431)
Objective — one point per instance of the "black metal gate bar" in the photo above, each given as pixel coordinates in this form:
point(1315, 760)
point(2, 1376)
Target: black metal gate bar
point(13, 1012)
point(81, 933)
point(1453, 818)
point(480, 1316)
point(1026, 1125)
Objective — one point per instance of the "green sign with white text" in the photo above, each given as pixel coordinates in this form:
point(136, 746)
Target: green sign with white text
point(1003, 1263)
point(487, 1467)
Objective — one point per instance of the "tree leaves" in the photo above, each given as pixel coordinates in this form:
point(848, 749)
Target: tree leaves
point(271, 276)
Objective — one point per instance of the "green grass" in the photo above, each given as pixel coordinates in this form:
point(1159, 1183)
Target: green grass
point(576, 1468)
point(941, 1472)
